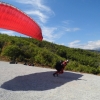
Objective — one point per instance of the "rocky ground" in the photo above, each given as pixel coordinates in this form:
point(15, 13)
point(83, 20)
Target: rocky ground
point(23, 82)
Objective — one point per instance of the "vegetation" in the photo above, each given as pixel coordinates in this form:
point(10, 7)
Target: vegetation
point(47, 54)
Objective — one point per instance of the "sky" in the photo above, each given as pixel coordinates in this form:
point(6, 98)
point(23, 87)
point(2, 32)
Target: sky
point(72, 23)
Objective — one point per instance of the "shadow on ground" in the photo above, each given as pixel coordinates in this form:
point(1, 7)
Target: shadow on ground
point(39, 81)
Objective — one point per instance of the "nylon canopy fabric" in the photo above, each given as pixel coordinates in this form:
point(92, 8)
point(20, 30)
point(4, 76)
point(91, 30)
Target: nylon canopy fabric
point(14, 19)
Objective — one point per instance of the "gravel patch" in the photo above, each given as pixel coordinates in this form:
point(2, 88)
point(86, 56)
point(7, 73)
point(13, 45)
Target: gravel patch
point(23, 82)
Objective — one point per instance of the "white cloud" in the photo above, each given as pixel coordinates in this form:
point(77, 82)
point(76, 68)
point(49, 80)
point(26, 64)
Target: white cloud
point(74, 43)
point(92, 45)
point(40, 15)
point(72, 29)
point(7, 32)
point(38, 8)
point(67, 22)
point(49, 33)
point(11, 33)
point(37, 4)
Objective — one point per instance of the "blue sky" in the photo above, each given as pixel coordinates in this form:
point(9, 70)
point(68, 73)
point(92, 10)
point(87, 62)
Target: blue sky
point(73, 23)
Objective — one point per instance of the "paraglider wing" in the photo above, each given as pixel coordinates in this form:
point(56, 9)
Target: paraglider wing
point(13, 19)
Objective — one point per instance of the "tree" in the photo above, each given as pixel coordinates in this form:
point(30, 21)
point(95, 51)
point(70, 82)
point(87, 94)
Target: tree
point(11, 51)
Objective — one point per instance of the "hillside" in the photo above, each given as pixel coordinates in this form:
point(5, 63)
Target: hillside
point(46, 54)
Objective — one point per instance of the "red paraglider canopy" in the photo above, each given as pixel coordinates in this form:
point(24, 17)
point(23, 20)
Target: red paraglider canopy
point(13, 19)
